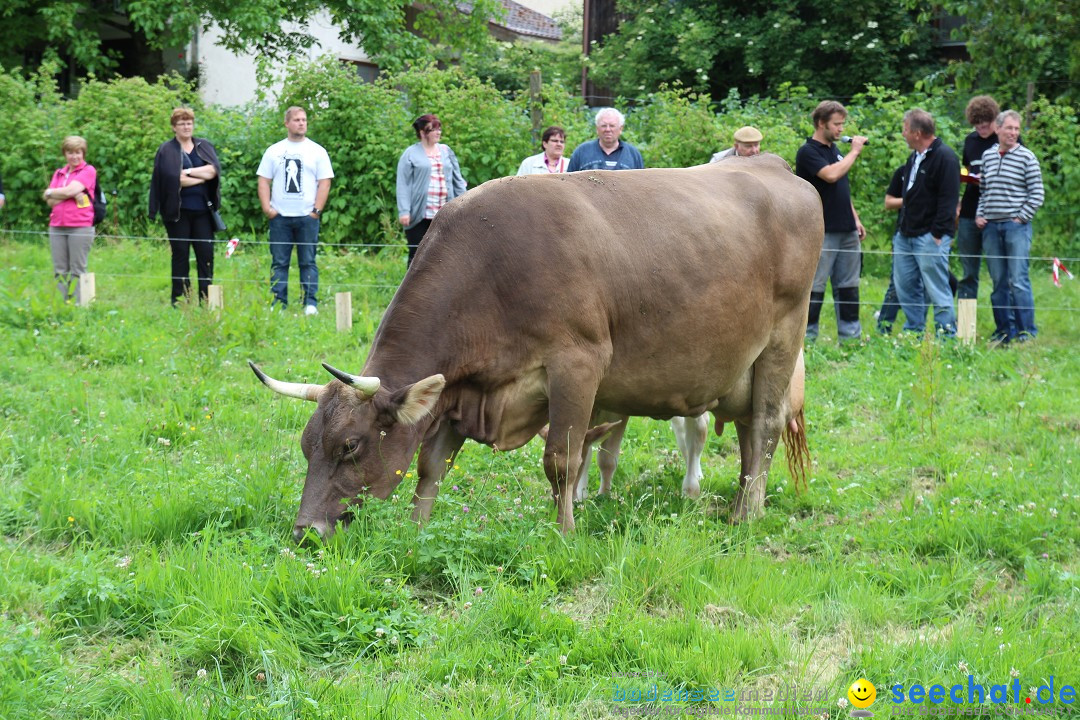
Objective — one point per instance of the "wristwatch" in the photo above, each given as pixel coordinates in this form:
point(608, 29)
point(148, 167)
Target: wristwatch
point(317, 211)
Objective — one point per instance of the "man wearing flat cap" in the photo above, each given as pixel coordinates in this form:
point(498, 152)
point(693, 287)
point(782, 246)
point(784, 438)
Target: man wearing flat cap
point(747, 143)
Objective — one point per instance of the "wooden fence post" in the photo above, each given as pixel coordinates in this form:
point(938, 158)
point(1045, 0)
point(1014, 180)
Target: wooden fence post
point(536, 110)
point(87, 290)
point(343, 301)
point(965, 320)
point(215, 298)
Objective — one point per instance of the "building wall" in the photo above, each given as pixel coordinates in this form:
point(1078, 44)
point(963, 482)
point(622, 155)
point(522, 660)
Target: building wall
point(229, 79)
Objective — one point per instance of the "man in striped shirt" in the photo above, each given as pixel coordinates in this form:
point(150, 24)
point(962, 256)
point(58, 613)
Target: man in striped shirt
point(1011, 190)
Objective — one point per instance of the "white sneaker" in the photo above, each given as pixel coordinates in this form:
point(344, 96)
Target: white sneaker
point(311, 310)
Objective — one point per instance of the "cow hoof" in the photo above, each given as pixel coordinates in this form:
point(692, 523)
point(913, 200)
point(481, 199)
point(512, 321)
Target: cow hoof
point(693, 492)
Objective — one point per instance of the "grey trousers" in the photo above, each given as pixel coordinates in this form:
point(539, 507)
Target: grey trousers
point(839, 262)
point(70, 249)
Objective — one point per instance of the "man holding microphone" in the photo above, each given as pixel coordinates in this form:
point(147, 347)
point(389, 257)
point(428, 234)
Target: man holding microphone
point(820, 163)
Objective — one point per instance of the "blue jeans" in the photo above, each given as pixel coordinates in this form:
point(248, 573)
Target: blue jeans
point(969, 246)
point(285, 232)
point(1008, 248)
point(918, 259)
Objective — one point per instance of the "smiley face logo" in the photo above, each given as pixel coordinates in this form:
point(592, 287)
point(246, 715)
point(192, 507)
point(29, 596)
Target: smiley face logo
point(862, 693)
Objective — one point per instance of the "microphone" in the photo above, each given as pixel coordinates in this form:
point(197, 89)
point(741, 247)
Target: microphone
point(847, 139)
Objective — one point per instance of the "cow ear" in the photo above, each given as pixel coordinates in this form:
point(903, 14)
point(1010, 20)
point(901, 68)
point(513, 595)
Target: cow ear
point(418, 399)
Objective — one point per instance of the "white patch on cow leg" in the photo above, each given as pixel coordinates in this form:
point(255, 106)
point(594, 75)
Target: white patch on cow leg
point(690, 435)
point(436, 456)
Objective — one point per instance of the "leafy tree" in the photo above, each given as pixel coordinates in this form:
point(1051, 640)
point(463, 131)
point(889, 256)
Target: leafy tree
point(392, 33)
point(1014, 42)
point(715, 45)
point(507, 65)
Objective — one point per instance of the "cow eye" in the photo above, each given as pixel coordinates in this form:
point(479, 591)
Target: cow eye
point(351, 446)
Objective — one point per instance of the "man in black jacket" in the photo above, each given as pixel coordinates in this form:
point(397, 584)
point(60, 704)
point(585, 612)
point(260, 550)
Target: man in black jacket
point(931, 186)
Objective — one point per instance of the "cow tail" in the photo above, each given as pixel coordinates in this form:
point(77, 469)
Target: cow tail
point(798, 452)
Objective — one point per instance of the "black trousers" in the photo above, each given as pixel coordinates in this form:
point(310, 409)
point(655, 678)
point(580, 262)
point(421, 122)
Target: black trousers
point(193, 230)
point(413, 236)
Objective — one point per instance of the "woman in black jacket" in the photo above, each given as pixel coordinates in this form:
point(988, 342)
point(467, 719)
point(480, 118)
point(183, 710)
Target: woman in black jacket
point(184, 188)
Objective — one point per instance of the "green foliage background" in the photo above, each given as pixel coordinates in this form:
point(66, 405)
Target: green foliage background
point(365, 127)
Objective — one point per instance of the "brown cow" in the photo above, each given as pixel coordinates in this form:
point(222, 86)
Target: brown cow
point(538, 299)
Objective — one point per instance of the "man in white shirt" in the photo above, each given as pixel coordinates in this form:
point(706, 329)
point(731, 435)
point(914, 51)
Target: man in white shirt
point(294, 183)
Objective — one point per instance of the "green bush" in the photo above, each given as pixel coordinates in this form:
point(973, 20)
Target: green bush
point(365, 127)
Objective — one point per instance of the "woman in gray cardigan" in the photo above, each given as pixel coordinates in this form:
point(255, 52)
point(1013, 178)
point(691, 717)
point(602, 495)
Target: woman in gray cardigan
point(428, 177)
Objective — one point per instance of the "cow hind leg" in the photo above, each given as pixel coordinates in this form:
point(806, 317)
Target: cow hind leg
point(436, 456)
point(690, 435)
point(608, 457)
point(581, 490)
point(758, 441)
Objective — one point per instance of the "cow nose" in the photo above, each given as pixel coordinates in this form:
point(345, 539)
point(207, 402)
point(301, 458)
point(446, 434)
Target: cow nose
point(301, 533)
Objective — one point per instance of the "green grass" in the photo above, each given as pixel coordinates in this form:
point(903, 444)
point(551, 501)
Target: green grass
point(148, 486)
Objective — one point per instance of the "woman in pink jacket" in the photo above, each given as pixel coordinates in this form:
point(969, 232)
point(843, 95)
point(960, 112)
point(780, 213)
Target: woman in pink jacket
point(71, 224)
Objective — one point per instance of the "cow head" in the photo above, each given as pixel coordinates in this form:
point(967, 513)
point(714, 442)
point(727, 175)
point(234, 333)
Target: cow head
point(359, 441)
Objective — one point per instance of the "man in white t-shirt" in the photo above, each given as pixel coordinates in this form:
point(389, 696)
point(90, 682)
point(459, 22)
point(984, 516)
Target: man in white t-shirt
point(294, 182)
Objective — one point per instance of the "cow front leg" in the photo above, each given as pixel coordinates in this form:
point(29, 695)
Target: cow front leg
point(436, 456)
point(571, 391)
point(562, 461)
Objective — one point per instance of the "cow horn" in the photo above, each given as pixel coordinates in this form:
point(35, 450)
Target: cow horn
point(366, 385)
point(304, 391)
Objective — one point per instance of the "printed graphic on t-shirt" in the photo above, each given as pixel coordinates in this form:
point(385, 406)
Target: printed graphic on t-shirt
point(294, 176)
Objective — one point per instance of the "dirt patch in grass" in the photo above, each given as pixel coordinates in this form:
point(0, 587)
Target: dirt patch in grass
point(588, 602)
point(724, 617)
point(922, 635)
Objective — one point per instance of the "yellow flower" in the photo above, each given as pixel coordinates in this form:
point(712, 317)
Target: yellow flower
point(71, 519)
